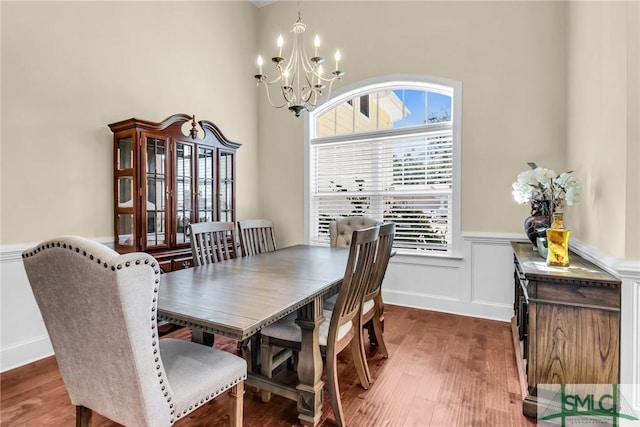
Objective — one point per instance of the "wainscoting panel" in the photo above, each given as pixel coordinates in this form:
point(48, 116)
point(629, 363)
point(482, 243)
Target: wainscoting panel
point(23, 336)
point(630, 348)
point(634, 307)
point(491, 276)
point(480, 284)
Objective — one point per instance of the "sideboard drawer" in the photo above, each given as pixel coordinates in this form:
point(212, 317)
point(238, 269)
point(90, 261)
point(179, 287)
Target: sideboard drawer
point(605, 298)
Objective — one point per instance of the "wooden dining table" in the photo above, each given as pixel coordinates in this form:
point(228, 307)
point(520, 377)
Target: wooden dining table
point(238, 297)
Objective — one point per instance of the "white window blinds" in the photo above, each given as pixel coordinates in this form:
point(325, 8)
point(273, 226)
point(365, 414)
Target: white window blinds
point(405, 177)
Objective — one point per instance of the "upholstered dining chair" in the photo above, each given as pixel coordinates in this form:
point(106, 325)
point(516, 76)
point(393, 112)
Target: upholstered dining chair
point(342, 330)
point(212, 242)
point(123, 371)
point(372, 305)
point(340, 232)
point(256, 236)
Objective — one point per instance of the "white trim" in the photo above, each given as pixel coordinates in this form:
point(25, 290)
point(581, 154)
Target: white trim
point(635, 344)
point(11, 253)
point(23, 352)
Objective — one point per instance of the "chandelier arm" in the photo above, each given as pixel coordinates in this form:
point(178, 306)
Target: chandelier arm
point(269, 98)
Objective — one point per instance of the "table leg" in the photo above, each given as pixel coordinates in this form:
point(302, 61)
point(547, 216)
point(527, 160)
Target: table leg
point(310, 364)
point(201, 337)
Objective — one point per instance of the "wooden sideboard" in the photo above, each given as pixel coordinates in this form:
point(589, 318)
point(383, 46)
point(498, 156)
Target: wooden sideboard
point(566, 327)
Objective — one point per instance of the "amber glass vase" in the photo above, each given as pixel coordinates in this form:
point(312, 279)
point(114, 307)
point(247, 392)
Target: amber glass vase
point(558, 242)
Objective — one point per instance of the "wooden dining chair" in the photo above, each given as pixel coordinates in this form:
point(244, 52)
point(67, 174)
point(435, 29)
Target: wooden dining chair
point(256, 236)
point(100, 311)
point(372, 305)
point(212, 242)
point(342, 330)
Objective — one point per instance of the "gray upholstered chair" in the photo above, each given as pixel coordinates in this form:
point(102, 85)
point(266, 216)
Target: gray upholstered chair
point(341, 229)
point(344, 327)
point(99, 309)
point(212, 242)
point(256, 236)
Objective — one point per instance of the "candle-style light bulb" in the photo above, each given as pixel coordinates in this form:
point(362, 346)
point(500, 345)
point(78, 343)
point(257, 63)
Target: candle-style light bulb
point(280, 43)
point(319, 72)
point(286, 77)
point(316, 43)
point(337, 58)
point(260, 62)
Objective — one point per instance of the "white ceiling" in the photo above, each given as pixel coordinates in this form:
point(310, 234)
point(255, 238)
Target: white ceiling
point(262, 3)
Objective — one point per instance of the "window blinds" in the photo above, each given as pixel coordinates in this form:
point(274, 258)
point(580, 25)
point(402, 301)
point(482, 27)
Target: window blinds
point(404, 177)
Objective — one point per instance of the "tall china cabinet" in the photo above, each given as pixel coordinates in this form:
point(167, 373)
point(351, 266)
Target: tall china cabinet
point(167, 175)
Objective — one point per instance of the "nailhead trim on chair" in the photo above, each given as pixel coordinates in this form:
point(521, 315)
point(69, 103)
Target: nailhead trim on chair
point(207, 398)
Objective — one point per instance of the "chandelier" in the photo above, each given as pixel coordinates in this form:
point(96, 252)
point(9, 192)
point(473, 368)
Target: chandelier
point(300, 78)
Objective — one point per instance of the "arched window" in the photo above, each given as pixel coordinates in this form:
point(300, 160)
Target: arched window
point(389, 148)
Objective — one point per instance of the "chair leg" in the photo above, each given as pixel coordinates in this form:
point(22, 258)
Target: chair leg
point(201, 337)
point(236, 398)
point(373, 341)
point(266, 368)
point(83, 416)
point(360, 360)
point(363, 355)
point(378, 328)
point(332, 385)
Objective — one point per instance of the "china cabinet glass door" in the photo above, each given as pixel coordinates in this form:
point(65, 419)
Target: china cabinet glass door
point(206, 185)
point(155, 193)
point(226, 182)
point(184, 191)
point(124, 171)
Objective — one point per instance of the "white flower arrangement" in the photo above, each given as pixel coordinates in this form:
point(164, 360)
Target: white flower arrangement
point(538, 184)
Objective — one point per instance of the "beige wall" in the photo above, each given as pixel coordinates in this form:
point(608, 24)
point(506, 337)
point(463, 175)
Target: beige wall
point(529, 71)
point(71, 68)
point(604, 121)
point(510, 57)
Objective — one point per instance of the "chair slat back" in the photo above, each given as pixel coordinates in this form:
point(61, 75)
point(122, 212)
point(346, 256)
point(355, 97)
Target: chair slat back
point(256, 236)
point(212, 242)
point(362, 254)
point(385, 246)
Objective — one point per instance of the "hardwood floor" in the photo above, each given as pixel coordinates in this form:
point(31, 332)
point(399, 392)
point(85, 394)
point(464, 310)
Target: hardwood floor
point(443, 370)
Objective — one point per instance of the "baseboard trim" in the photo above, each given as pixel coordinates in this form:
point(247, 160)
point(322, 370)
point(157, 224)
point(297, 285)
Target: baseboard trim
point(23, 352)
point(443, 304)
